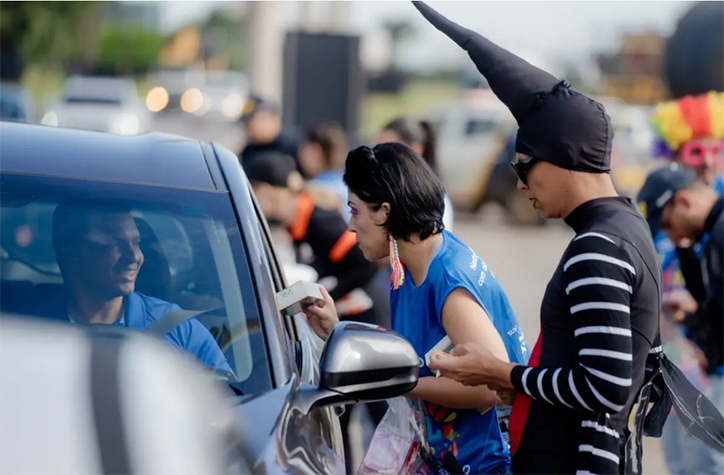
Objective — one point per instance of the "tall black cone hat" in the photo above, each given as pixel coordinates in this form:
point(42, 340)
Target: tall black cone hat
point(511, 78)
point(557, 124)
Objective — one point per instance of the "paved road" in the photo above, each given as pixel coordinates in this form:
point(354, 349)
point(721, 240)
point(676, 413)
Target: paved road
point(523, 259)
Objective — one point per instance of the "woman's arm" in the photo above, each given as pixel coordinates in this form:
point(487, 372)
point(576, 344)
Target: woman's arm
point(465, 321)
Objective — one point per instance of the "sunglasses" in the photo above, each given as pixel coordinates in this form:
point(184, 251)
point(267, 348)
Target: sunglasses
point(694, 155)
point(522, 168)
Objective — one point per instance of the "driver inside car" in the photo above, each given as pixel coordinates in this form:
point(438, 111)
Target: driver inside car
point(97, 249)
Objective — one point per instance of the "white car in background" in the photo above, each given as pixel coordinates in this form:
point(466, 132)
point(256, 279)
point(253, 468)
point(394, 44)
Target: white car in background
point(214, 94)
point(470, 136)
point(102, 104)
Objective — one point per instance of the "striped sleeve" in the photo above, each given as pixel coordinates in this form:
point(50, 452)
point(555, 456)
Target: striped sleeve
point(599, 278)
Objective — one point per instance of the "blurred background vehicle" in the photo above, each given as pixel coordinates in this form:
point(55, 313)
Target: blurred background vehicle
point(103, 104)
point(17, 103)
point(217, 95)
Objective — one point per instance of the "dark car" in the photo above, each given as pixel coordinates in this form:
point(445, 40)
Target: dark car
point(161, 234)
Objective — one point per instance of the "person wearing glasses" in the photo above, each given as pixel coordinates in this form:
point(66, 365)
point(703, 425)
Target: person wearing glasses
point(600, 312)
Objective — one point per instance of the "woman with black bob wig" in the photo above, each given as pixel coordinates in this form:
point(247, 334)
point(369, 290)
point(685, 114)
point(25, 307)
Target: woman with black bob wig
point(442, 294)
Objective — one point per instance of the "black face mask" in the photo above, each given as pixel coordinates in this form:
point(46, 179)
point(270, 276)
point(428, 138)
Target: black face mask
point(274, 223)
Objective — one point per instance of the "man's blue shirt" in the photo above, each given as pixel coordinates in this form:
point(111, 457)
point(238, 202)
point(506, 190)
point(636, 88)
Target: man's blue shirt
point(140, 312)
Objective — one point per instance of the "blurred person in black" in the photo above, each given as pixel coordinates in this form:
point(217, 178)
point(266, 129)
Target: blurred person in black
point(686, 208)
point(600, 313)
point(321, 158)
point(420, 136)
point(263, 130)
point(335, 256)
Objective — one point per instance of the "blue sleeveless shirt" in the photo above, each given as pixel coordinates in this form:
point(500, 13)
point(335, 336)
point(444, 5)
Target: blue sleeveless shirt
point(473, 438)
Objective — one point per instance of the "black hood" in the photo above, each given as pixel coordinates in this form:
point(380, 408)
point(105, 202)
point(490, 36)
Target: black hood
point(556, 123)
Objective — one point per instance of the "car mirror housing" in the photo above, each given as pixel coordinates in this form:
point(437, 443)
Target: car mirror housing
point(363, 363)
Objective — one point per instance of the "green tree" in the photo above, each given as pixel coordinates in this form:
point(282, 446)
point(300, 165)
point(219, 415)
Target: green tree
point(128, 50)
point(52, 33)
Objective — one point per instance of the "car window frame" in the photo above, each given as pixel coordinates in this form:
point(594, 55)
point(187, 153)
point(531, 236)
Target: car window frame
point(240, 262)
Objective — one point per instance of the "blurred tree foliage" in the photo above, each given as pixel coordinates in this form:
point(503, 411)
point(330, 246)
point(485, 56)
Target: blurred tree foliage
point(225, 35)
point(127, 50)
point(51, 33)
point(73, 37)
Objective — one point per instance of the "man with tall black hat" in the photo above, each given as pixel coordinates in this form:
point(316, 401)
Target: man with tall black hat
point(599, 315)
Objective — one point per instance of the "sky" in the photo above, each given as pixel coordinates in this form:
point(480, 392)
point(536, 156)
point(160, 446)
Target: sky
point(565, 31)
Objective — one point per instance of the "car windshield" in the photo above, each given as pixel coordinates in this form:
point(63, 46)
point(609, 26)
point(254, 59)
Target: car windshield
point(84, 252)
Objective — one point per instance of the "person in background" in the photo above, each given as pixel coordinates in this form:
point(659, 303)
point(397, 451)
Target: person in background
point(689, 133)
point(684, 207)
point(443, 293)
point(322, 240)
point(321, 157)
point(420, 137)
point(263, 131)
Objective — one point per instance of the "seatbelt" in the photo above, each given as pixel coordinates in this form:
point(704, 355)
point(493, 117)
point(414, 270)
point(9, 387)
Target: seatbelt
point(164, 325)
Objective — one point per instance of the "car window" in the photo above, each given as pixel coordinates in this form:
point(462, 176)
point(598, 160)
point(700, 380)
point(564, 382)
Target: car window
point(72, 249)
point(479, 126)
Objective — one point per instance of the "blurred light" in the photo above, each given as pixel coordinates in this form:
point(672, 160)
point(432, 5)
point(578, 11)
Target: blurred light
point(232, 105)
point(126, 124)
point(205, 105)
point(157, 99)
point(50, 119)
point(192, 100)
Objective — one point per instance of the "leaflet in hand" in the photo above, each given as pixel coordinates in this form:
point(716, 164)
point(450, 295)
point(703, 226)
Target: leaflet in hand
point(444, 345)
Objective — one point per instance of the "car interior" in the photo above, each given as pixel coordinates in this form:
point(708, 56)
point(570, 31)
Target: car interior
point(179, 266)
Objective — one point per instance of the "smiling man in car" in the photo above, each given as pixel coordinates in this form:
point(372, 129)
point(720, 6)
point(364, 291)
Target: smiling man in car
point(97, 249)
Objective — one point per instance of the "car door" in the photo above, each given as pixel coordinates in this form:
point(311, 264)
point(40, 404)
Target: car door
point(306, 345)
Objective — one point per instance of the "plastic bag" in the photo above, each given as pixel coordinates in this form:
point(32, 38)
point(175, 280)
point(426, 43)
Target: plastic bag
point(399, 443)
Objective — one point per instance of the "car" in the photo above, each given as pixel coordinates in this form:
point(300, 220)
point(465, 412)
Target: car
point(91, 373)
point(16, 103)
point(217, 95)
point(100, 103)
point(169, 223)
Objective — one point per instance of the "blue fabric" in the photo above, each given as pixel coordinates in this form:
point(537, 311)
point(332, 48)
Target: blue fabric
point(474, 439)
point(141, 311)
point(332, 181)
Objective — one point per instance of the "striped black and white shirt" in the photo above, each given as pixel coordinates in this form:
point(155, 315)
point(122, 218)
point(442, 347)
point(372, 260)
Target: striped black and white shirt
point(599, 320)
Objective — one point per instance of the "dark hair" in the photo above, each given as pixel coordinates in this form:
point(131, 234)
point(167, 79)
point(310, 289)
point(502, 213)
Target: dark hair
point(331, 137)
point(413, 131)
point(70, 221)
point(393, 173)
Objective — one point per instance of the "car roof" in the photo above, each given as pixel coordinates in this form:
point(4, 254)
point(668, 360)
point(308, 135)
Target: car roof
point(152, 159)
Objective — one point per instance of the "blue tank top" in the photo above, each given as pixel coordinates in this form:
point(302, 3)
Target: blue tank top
point(473, 438)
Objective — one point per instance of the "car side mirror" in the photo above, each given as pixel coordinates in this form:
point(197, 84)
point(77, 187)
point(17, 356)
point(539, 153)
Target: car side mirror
point(362, 363)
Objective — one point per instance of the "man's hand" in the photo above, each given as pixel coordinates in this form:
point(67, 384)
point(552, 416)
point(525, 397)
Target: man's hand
point(680, 303)
point(322, 316)
point(472, 365)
